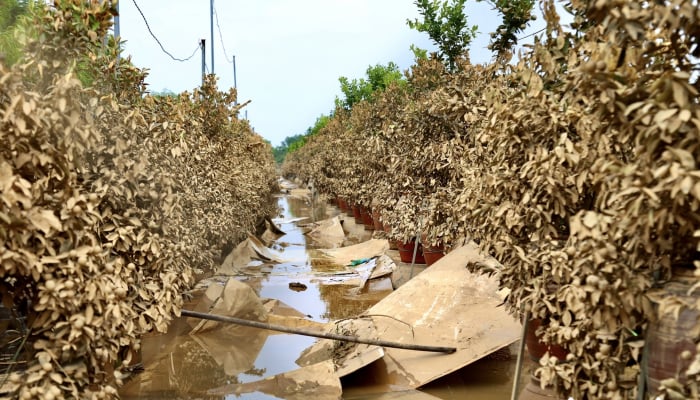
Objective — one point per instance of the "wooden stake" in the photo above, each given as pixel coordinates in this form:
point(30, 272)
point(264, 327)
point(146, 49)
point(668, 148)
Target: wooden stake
point(351, 339)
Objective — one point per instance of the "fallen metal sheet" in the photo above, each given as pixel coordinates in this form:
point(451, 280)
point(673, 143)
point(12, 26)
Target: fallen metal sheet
point(368, 249)
point(318, 382)
point(247, 251)
point(347, 357)
point(445, 305)
point(327, 233)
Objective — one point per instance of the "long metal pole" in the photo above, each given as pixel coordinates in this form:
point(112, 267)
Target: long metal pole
point(117, 32)
point(203, 47)
point(281, 328)
point(521, 350)
point(211, 29)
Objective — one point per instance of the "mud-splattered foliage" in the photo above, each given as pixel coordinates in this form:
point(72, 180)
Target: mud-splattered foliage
point(109, 201)
point(576, 167)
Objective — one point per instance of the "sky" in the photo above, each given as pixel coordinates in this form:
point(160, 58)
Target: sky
point(289, 54)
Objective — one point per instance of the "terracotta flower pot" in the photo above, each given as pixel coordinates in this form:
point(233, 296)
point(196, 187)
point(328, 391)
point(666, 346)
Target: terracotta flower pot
point(342, 204)
point(367, 220)
point(376, 218)
point(393, 244)
point(433, 253)
point(406, 251)
point(357, 213)
point(536, 348)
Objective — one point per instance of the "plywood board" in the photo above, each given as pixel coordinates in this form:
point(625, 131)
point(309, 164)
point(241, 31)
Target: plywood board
point(445, 305)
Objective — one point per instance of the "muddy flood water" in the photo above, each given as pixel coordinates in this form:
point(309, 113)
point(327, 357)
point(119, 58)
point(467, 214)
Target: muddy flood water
point(178, 365)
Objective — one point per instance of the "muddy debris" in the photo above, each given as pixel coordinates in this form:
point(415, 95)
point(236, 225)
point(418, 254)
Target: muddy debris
point(343, 290)
point(297, 286)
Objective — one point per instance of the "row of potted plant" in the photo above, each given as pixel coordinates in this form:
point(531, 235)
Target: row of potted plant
point(576, 167)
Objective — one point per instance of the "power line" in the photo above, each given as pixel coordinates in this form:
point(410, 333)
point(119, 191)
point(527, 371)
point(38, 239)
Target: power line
point(221, 38)
point(158, 41)
point(532, 34)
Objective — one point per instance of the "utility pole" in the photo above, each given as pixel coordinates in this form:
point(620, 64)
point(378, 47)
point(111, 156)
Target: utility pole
point(117, 32)
point(211, 28)
point(235, 85)
point(204, 59)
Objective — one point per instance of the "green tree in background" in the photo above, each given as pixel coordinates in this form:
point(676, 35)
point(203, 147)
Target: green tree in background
point(516, 15)
point(418, 53)
point(11, 13)
point(164, 93)
point(292, 143)
point(378, 78)
point(446, 24)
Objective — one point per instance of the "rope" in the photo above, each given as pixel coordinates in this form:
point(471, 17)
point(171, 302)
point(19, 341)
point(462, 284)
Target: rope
point(158, 41)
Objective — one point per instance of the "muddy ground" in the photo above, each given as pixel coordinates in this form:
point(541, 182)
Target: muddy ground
point(214, 364)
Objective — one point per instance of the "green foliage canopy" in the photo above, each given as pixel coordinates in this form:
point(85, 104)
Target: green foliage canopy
point(516, 14)
point(378, 78)
point(11, 13)
point(446, 24)
point(295, 142)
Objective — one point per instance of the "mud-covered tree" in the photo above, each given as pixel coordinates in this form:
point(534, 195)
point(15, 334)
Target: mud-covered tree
point(106, 208)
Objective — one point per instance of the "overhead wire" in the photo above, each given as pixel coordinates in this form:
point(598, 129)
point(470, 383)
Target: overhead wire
point(221, 37)
point(532, 34)
point(158, 41)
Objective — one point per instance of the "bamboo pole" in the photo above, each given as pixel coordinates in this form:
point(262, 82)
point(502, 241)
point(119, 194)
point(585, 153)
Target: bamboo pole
point(333, 336)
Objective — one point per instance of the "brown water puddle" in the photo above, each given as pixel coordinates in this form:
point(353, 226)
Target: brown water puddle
point(182, 366)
